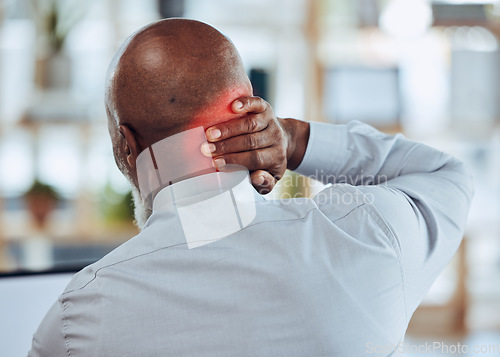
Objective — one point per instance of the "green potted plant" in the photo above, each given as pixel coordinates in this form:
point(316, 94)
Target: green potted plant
point(54, 20)
point(41, 199)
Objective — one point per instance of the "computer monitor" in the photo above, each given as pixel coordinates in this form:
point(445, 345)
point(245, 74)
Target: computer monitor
point(25, 298)
point(367, 94)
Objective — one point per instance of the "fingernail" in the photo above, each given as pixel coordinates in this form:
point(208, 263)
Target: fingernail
point(207, 149)
point(259, 180)
point(218, 163)
point(238, 104)
point(213, 134)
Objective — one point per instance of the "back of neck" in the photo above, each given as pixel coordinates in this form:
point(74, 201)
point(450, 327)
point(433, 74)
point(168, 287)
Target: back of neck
point(171, 160)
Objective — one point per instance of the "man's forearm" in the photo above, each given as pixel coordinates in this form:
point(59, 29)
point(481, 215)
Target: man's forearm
point(358, 154)
point(298, 137)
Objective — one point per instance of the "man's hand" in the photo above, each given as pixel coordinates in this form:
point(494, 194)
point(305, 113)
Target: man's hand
point(260, 141)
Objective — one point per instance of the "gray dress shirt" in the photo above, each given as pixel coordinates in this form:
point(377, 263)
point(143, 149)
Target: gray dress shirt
point(337, 275)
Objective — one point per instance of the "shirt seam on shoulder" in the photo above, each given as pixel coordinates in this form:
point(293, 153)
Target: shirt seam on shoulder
point(65, 327)
point(176, 245)
point(348, 213)
point(342, 187)
point(282, 220)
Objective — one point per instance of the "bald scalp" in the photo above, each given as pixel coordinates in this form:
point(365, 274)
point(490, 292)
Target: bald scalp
point(171, 76)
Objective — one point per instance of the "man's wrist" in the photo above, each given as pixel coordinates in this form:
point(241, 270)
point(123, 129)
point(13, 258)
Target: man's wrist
point(297, 132)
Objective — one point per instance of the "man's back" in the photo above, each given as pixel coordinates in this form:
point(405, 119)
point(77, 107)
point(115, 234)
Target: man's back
point(337, 275)
point(292, 283)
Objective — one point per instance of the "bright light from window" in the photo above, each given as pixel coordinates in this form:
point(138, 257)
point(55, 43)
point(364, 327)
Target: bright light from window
point(406, 19)
point(59, 158)
point(16, 163)
point(464, 2)
point(474, 38)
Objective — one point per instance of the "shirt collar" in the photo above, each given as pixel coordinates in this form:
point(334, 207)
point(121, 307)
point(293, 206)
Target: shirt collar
point(210, 207)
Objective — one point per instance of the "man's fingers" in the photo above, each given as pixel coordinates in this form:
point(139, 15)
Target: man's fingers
point(254, 140)
point(252, 160)
point(260, 159)
point(263, 181)
point(238, 144)
point(249, 105)
point(245, 125)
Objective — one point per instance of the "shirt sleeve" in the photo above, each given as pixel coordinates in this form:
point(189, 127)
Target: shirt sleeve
point(48, 340)
point(421, 194)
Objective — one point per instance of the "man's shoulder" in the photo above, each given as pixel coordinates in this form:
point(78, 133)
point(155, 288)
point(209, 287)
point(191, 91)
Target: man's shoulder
point(123, 253)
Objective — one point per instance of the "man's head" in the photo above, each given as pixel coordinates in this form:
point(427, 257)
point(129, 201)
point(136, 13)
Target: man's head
point(170, 76)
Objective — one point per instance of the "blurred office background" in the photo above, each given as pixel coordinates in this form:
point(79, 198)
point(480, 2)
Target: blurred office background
point(427, 68)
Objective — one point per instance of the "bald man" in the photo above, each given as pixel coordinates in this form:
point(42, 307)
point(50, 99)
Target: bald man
point(218, 270)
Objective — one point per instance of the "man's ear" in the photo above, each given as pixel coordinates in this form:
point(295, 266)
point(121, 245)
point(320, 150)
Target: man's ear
point(131, 148)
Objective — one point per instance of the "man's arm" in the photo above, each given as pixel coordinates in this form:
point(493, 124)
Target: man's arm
point(421, 194)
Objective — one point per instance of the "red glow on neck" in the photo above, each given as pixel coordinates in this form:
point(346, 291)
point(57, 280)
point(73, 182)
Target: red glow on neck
point(220, 110)
point(179, 156)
